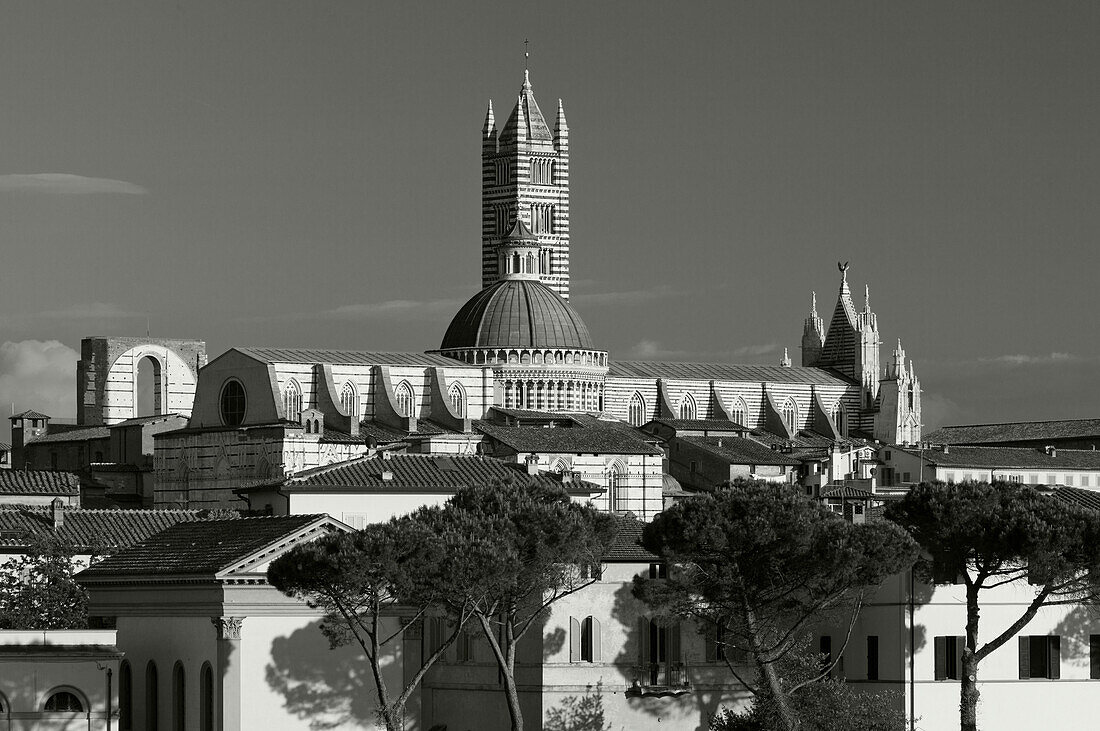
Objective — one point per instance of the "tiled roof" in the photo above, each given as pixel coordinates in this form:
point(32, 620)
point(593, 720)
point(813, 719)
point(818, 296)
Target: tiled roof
point(5, 447)
point(38, 482)
point(200, 547)
point(627, 544)
point(740, 450)
point(700, 424)
point(844, 491)
point(575, 440)
point(88, 528)
point(517, 313)
point(74, 435)
point(1011, 458)
point(536, 415)
point(347, 357)
point(1015, 431)
point(419, 472)
point(1078, 496)
point(29, 415)
point(726, 372)
point(145, 420)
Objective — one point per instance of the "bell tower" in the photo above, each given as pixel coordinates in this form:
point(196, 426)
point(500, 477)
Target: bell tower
point(525, 178)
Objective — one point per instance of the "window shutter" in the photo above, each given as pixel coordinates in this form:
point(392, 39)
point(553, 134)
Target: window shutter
point(960, 645)
point(1054, 652)
point(941, 658)
point(597, 656)
point(710, 638)
point(1025, 658)
point(643, 641)
point(674, 643)
point(1094, 657)
point(574, 640)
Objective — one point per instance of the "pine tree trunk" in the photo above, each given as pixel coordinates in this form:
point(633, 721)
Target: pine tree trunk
point(510, 689)
point(968, 693)
point(775, 684)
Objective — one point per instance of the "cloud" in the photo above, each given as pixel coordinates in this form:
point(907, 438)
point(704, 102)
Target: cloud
point(652, 350)
point(67, 184)
point(630, 297)
point(1019, 359)
point(755, 350)
point(39, 375)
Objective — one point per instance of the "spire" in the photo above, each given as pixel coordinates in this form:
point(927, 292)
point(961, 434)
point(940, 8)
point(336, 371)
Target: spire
point(490, 128)
point(813, 305)
point(559, 124)
point(866, 298)
point(786, 362)
point(896, 369)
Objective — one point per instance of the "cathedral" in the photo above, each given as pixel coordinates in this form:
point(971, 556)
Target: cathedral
point(517, 344)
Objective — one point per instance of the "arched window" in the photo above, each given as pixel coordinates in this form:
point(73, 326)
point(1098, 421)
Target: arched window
point(584, 639)
point(179, 699)
point(349, 401)
point(152, 697)
point(687, 407)
point(738, 410)
point(790, 414)
point(233, 403)
point(637, 411)
point(292, 401)
point(840, 419)
point(404, 394)
point(125, 697)
point(616, 488)
point(206, 698)
point(64, 701)
point(457, 397)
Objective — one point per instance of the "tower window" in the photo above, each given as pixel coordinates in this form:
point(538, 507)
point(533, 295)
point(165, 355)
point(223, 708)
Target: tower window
point(500, 214)
point(738, 411)
point(542, 218)
point(292, 401)
point(458, 400)
point(542, 171)
point(349, 401)
point(687, 407)
point(502, 171)
point(790, 415)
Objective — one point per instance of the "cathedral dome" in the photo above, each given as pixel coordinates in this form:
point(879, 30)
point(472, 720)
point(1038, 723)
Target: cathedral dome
point(517, 313)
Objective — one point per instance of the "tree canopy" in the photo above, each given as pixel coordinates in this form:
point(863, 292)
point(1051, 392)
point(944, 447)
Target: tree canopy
point(987, 536)
point(512, 550)
point(37, 588)
point(763, 563)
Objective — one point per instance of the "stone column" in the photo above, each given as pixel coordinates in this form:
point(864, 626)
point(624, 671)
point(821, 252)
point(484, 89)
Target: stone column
point(229, 672)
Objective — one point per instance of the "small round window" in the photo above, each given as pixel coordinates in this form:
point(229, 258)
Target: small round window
point(233, 403)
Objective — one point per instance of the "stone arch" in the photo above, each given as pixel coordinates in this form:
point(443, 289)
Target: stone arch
point(107, 377)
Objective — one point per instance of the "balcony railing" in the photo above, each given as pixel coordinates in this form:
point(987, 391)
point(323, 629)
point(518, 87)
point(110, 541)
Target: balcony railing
point(660, 678)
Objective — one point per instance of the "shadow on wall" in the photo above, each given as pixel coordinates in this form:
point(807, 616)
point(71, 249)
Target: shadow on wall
point(626, 611)
point(1075, 629)
point(552, 642)
point(578, 713)
point(333, 688)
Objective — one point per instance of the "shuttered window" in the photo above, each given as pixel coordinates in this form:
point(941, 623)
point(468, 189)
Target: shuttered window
point(584, 640)
point(948, 652)
point(1041, 656)
point(872, 657)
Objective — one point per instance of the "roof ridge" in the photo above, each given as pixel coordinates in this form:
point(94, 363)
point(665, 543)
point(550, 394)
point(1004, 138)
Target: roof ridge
point(1015, 423)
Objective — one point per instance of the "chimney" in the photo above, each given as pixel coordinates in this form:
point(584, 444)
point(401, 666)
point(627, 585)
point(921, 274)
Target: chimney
point(387, 476)
point(945, 449)
point(57, 512)
point(1050, 450)
point(532, 462)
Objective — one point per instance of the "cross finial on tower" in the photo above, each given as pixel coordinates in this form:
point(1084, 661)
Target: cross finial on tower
point(526, 56)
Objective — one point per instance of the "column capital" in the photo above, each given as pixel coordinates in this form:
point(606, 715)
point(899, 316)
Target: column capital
point(228, 628)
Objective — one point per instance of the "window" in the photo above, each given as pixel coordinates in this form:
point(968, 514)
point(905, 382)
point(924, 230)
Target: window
point(152, 712)
point(404, 395)
point(1069, 480)
point(840, 420)
point(292, 401)
point(790, 415)
point(179, 704)
point(716, 649)
point(658, 571)
point(349, 401)
point(872, 657)
point(64, 702)
point(889, 455)
point(949, 476)
point(687, 407)
point(125, 697)
point(1085, 481)
point(584, 639)
point(233, 403)
point(457, 397)
point(636, 411)
point(1040, 657)
point(464, 646)
point(906, 476)
point(825, 647)
point(738, 411)
point(1094, 657)
point(206, 698)
point(502, 171)
point(948, 656)
point(1052, 479)
point(542, 218)
point(542, 171)
point(500, 215)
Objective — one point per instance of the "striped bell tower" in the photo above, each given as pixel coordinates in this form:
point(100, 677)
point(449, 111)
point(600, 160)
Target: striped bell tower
point(525, 177)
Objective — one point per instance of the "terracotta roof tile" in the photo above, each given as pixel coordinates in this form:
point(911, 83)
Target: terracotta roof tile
point(574, 440)
point(627, 545)
point(726, 372)
point(38, 482)
point(1016, 432)
point(1011, 458)
point(201, 547)
point(740, 450)
point(74, 435)
point(88, 528)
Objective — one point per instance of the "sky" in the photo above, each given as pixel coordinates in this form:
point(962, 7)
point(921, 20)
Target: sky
point(308, 175)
